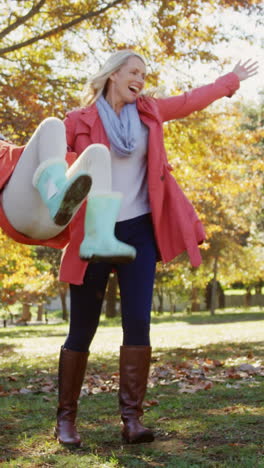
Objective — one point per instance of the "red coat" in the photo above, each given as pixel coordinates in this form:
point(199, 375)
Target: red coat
point(176, 225)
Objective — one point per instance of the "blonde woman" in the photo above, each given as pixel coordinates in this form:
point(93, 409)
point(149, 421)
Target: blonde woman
point(150, 213)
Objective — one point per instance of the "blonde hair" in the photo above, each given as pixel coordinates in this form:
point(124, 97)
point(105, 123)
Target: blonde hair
point(97, 83)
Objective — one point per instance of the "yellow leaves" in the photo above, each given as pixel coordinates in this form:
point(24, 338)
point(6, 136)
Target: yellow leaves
point(257, 165)
point(19, 274)
point(218, 166)
point(212, 229)
point(12, 250)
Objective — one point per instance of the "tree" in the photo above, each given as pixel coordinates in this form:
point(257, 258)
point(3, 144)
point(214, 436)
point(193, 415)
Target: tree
point(59, 288)
point(111, 296)
point(43, 44)
point(220, 168)
point(22, 277)
point(47, 49)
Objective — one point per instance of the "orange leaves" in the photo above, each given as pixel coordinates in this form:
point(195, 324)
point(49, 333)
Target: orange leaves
point(218, 164)
point(39, 384)
point(244, 371)
point(196, 387)
point(44, 42)
point(21, 277)
point(202, 374)
point(189, 376)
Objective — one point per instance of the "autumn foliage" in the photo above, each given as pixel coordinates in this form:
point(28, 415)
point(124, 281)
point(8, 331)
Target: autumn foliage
point(48, 49)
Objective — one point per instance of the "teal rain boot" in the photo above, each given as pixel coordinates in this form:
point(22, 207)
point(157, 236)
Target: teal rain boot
point(60, 195)
point(99, 243)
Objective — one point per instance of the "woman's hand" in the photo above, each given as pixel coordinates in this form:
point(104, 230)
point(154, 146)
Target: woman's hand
point(245, 70)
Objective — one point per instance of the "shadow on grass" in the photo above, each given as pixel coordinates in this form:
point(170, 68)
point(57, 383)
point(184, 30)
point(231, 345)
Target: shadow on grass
point(220, 350)
point(192, 430)
point(196, 318)
point(204, 318)
point(6, 349)
point(21, 331)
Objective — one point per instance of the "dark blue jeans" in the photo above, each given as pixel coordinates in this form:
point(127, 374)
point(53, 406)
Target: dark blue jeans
point(135, 280)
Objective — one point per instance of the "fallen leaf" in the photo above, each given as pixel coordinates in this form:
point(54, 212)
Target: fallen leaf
point(155, 464)
point(195, 388)
point(149, 403)
point(24, 391)
point(249, 369)
point(45, 398)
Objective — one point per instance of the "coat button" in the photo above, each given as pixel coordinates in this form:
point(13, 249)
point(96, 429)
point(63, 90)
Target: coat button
point(162, 177)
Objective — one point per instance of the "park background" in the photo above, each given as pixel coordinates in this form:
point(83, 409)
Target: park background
point(47, 51)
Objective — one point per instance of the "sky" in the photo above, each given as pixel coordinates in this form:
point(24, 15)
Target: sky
point(235, 50)
point(136, 24)
point(231, 53)
point(238, 49)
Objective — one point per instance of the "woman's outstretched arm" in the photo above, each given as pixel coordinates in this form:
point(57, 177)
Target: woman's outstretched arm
point(177, 107)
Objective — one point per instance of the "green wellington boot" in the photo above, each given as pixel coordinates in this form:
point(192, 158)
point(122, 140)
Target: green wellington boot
point(99, 243)
point(60, 195)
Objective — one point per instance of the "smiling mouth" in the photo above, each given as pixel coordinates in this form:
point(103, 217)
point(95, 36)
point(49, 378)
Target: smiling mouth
point(134, 89)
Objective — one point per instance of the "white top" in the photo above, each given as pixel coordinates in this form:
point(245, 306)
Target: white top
point(129, 176)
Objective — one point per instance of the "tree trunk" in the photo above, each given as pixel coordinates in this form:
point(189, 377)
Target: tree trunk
point(40, 312)
point(172, 300)
point(26, 314)
point(63, 288)
point(248, 297)
point(195, 307)
point(214, 288)
point(161, 301)
point(110, 309)
point(221, 297)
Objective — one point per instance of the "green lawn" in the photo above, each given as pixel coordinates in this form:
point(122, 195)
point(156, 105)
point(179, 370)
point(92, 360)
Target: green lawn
point(204, 403)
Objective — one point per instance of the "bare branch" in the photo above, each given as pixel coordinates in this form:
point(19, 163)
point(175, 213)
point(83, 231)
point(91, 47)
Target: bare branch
point(59, 29)
point(22, 19)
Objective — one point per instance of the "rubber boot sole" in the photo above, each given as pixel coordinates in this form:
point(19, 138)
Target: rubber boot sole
point(72, 197)
point(107, 259)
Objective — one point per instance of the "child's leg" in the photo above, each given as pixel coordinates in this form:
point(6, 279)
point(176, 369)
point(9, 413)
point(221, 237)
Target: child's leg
point(25, 206)
point(96, 160)
point(100, 243)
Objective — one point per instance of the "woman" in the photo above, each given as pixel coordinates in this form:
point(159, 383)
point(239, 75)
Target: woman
point(155, 218)
point(40, 194)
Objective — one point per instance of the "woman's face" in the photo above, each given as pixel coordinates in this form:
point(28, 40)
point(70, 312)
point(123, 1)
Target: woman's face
point(126, 84)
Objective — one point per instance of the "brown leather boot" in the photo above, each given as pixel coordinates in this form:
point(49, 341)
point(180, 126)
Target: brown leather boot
point(72, 366)
point(134, 369)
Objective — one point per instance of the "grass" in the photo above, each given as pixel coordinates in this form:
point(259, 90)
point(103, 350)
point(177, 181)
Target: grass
point(221, 427)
